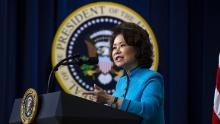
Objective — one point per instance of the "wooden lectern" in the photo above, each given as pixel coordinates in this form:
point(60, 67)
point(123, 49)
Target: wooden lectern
point(62, 108)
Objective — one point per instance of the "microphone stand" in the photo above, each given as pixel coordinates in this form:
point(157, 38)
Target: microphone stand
point(53, 71)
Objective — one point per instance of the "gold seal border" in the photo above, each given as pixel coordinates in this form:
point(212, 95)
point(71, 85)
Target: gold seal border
point(152, 36)
point(35, 107)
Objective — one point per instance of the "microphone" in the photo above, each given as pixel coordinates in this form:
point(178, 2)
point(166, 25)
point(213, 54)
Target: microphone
point(73, 60)
point(79, 61)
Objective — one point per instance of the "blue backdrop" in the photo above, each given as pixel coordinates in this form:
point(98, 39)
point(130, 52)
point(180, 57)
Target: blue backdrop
point(187, 34)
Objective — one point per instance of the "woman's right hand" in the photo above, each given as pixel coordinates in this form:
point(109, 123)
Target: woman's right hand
point(100, 95)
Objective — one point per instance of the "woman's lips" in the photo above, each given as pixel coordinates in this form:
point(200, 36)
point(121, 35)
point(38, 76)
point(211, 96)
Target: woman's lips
point(119, 58)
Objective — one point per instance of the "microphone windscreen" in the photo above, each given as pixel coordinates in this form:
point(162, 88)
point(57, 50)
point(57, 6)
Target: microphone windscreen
point(91, 61)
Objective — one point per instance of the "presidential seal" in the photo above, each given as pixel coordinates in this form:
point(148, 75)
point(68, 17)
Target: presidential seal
point(87, 31)
point(29, 104)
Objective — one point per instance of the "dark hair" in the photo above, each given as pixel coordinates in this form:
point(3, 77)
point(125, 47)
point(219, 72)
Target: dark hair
point(137, 37)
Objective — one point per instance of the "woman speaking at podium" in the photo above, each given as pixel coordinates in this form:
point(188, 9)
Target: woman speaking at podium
point(139, 90)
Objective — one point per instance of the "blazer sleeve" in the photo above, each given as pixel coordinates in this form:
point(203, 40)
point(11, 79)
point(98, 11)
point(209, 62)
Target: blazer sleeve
point(151, 100)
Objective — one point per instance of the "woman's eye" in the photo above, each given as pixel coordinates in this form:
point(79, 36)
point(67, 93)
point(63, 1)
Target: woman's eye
point(113, 48)
point(122, 45)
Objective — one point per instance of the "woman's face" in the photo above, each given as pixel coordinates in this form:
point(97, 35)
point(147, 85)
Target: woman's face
point(123, 55)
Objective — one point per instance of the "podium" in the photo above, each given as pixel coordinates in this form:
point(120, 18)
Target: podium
point(62, 108)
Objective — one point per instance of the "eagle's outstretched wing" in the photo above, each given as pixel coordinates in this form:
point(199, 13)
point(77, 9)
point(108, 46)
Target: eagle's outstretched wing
point(91, 49)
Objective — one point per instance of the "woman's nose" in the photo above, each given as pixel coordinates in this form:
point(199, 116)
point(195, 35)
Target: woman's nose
point(118, 50)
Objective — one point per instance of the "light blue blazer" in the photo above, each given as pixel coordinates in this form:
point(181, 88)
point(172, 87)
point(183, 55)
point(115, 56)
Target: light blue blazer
point(145, 95)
